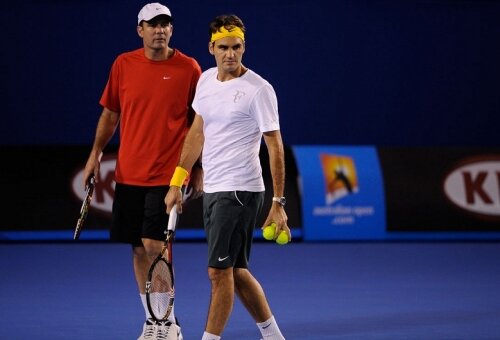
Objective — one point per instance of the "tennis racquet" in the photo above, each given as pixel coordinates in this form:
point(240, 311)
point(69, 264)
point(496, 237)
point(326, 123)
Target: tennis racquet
point(160, 290)
point(85, 207)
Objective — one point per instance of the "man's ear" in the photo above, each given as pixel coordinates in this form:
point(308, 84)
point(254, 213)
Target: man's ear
point(140, 31)
point(211, 47)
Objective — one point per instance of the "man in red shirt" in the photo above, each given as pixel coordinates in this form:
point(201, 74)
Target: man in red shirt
point(148, 94)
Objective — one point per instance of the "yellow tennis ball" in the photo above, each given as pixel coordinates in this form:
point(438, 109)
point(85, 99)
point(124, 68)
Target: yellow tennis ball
point(282, 238)
point(268, 232)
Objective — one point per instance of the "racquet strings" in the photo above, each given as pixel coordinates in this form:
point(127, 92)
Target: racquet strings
point(161, 291)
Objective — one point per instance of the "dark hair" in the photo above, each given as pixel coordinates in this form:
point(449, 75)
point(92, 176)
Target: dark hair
point(228, 21)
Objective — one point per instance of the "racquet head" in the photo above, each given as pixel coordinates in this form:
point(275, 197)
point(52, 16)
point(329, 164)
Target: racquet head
point(160, 291)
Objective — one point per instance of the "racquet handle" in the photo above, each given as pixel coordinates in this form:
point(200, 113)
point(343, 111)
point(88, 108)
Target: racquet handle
point(172, 219)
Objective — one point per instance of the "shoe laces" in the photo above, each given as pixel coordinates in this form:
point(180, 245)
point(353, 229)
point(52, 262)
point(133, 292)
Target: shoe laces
point(149, 331)
point(163, 330)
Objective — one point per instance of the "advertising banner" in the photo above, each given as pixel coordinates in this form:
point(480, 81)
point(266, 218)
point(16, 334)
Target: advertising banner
point(333, 193)
point(342, 192)
point(448, 190)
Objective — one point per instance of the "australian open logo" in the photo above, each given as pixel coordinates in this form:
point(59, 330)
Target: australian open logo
point(340, 177)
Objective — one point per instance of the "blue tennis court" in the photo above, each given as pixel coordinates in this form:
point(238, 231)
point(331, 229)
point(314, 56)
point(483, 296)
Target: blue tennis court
point(344, 290)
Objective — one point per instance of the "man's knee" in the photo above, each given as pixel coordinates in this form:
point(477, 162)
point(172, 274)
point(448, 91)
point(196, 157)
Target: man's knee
point(151, 247)
point(218, 274)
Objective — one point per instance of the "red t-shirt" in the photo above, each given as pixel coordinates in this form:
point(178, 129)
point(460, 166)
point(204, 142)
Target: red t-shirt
point(154, 101)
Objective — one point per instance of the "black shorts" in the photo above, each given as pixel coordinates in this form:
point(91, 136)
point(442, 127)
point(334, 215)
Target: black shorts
point(138, 212)
point(229, 220)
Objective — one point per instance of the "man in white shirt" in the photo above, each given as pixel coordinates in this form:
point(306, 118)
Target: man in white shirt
point(235, 109)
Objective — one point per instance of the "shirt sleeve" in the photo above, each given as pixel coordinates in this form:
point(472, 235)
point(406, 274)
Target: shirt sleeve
point(264, 108)
point(110, 98)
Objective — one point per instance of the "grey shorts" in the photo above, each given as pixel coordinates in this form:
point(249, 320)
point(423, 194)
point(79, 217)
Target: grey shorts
point(138, 212)
point(229, 219)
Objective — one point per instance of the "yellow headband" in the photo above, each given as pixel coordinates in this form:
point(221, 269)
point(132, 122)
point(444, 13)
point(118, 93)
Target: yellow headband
point(232, 32)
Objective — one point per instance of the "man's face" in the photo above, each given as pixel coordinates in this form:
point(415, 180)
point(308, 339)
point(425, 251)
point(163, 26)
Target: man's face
point(228, 53)
point(156, 33)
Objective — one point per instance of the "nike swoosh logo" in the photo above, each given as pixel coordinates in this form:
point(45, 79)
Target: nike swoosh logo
point(165, 77)
point(264, 327)
point(222, 259)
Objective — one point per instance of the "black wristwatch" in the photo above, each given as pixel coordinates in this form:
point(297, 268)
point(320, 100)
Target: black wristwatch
point(280, 200)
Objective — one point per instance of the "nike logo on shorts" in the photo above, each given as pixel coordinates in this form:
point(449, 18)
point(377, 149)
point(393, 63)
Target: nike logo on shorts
point(220, 259)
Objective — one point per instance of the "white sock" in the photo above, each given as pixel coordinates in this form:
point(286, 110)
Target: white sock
point(162, 306)
point(208, 336)
point(145, 306)
point(171, 317)
point(270, 330)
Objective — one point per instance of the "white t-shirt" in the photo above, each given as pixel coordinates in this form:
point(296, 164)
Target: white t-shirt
point(235, 114)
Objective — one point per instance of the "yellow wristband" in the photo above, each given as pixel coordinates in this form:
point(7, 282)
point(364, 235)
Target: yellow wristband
point(179, 177)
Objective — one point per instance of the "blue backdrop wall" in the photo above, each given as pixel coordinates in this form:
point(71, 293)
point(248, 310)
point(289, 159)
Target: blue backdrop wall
point(347, 72)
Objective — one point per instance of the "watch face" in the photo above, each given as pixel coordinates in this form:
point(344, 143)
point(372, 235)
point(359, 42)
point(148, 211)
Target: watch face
point(280, 200)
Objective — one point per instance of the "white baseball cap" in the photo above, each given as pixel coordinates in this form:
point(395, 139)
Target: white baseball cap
point(152, 10)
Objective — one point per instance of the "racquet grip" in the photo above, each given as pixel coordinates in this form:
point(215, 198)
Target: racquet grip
point(172, 218)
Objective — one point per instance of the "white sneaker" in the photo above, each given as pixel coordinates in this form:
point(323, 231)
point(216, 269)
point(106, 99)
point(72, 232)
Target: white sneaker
point(148, 330)
point(168, 331)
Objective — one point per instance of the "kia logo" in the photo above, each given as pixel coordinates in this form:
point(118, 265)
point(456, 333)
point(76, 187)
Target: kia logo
point(475, 186)
point(105, 188)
